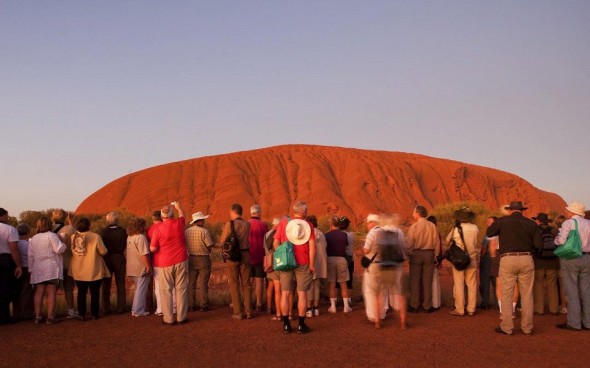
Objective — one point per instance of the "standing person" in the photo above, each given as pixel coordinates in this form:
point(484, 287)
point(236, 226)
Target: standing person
point(465, 235)
point(273, 291)
point(10, 266)
point(436, 294)
point(546, 269)
point(156, 222)
point(320, 272)
point(23, 305)
point(138, 264)
point(336, 243)
point(115, 239)
point(485, 267)
point(494, 248)
point(46, 264)
point(87, 266)
point(199, 244)
point(383, 275)
point(299, 233)
point(169, 247)
point(576, 271)
point(238, 273)
point(558, 222)
point(258, 230)
point(422, 241)
point(62, 226)
point(519, 237)
point(344, 225)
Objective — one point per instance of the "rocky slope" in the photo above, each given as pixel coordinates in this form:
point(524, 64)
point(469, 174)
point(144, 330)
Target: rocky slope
point(353, 182)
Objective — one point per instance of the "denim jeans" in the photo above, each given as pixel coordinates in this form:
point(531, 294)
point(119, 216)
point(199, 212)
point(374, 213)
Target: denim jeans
point(576, 280)
point(139, 298)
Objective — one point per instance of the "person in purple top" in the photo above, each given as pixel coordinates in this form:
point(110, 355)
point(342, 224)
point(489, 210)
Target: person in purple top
point(337, 242)
point(258, 230)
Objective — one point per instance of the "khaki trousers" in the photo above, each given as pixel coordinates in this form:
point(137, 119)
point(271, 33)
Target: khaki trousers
point(421, 274)
point(238, 274)
point(199, 273)
point(174, 281)
point(517, 270)
point(467, 277)
point(547, 277)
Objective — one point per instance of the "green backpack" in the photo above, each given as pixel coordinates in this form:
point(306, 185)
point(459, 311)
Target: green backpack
point(284, 257)
point(572, 248)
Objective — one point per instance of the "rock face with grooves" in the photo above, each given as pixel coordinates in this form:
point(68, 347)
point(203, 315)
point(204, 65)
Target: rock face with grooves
point(350, 182)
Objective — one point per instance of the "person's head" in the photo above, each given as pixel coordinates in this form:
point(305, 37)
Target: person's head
point(312, 219)
point(420, 212)
point(335, 223)
point(44, 225)
point(491, 220)
point(542, 219)
point(167, 212)
point(300, 209)
point(464, 215)
point(157, 216)
point(3, 215)
point(112, 218)
point(23, 229)
point(59, 216)
point(136, 226)
point(559, 220)
point(372, 221)
point(82, 224)
point(235, 211)
point(515, 206)
point(388, 220)
point(276, 221)
point(575, 209)
point(432, 219)
point(343, 223)
point(255, 211)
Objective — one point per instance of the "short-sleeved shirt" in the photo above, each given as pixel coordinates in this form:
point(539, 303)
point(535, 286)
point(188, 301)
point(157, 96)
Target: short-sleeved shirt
point(198, 241)
point(150, 232)
point(137, 246)
point(169, 241)
point(44, 259)
point(23, 249)
point(301, 251)
point(258, 230)
point(8, 234)
point(337, 242)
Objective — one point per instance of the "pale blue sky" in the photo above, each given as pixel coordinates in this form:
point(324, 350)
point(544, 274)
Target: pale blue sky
point(91, 91)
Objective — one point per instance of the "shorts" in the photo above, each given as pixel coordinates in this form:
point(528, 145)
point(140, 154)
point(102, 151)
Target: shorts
point(57, 282)
point(338, 269)
point(389, 278)
point(257, 271)
point(273, 276)
point(300, 275)
point(495, 267)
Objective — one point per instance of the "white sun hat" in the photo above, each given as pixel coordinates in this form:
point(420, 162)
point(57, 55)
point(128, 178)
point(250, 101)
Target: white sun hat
point(373, 218)
point(199, 216)
point(577, 208)
point(298, 231)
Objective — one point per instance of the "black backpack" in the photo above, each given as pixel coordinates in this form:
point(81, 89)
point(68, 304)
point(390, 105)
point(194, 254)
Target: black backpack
point(230, 250)
point(547, 252)
point(390, 248)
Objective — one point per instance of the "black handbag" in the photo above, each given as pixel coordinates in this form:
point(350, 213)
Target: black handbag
point(366, 261)
point(458, 257)
point(230, 249)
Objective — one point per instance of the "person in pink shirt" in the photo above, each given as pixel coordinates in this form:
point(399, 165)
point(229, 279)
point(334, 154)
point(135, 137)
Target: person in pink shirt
point(258, 230)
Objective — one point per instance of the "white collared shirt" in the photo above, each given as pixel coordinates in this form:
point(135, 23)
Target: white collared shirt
point(583, 230)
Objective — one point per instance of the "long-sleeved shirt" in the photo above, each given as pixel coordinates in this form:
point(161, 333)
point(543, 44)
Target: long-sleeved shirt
point(115, 239)
point(470, 234)
point(422, 235)
point(583, 230)
point(516, 233)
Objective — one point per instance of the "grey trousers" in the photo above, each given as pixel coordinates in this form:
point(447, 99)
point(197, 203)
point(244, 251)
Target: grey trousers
point(576, 279)
point(174, 281)
point(199, 273)
point(421, 273)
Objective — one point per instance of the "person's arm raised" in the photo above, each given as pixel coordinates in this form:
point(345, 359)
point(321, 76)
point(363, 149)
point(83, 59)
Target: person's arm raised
point(179, 209)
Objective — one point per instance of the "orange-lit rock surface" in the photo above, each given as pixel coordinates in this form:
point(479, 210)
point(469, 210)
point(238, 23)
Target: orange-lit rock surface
point(351, 182)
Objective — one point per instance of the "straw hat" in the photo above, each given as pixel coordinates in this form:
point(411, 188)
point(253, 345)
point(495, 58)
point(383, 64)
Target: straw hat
point(298, 231)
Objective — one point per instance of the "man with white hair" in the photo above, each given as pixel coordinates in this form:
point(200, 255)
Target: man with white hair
point(258, 230)
point(115, 240)
point(576, 272)
point(170, 254)
point(299, 232)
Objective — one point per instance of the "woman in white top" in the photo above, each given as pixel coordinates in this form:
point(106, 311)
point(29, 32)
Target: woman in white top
point(468, 241)
point(138, 264)
point(46, 267)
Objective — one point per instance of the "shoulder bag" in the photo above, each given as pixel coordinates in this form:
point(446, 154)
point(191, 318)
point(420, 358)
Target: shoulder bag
point(572, 248)
point(456, 255)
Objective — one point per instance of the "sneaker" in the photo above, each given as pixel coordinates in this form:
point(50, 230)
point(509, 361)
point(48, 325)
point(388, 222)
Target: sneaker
point(142, 314)
point(309, 313)
point(239, 317)
point(72, 314)
point(51, 321)
point(332, 310)
point(498, 330)
point(565, 326)
point(316, 312)
point(456, 314)
point(347, 309)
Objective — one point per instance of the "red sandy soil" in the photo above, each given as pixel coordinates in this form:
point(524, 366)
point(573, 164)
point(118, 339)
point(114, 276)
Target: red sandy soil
point(213, 339)
point(346, 181)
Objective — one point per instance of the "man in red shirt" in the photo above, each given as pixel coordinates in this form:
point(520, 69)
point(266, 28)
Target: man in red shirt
point(299, 233)
point(170, 254)
point(258, 230)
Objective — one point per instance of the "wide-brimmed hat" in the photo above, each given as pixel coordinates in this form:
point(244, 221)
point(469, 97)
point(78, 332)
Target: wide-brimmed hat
point(373, 218)
point(298, 231)
point(516, 206)
point(577, 208)
point(465, 214)
point(199, 216)
point(543, 217)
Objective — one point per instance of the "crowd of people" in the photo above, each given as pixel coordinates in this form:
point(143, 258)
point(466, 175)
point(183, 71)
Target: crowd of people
point(515, 263)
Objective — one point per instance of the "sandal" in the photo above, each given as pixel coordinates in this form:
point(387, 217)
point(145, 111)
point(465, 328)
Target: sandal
point(276, 318)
